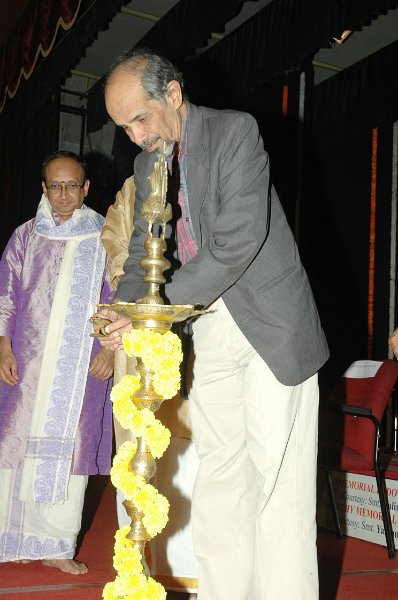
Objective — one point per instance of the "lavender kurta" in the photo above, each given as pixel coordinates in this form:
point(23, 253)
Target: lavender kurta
point(28, 277)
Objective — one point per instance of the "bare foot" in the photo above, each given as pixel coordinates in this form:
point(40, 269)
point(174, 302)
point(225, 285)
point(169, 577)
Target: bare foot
point(23, 561)
point(67, 565)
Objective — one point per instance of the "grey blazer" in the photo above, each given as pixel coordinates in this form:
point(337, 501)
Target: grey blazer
point(247, 256)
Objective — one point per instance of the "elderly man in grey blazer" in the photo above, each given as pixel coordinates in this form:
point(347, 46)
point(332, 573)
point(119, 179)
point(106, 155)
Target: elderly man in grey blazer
point(254, 399)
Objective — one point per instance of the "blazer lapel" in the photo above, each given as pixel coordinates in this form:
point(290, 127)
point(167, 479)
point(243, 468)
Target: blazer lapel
point(198, 168)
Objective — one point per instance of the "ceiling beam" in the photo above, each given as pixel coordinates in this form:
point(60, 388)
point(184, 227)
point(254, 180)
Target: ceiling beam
point(86, 75)
point(138, 13)
point(324, 65)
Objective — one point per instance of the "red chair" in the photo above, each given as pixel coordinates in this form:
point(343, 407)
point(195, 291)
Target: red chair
point(349, 431)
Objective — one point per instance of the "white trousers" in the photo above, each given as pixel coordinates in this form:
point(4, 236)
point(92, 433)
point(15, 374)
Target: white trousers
point(253, 511)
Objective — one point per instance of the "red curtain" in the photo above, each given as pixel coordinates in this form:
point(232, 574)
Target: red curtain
point(34, 35)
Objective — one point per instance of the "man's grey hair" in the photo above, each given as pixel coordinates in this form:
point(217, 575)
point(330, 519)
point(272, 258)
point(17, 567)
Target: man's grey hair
point(153, 71)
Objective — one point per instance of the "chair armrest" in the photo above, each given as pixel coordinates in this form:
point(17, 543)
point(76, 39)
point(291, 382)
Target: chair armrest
point(347, 409)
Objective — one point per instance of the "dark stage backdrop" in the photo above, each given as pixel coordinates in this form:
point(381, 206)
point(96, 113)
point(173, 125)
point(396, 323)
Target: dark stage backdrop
point(12, 140)
point(351, 208)
point(41, 138)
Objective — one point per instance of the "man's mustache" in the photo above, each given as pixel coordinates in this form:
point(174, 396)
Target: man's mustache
point(149, 142)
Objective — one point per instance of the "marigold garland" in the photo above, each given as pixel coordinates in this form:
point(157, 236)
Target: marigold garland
point(162, 354)
point(130, 583)
point(134, 487)
point(142, 423)
point(159, 352)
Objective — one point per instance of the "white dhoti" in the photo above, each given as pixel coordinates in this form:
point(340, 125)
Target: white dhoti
point(35, 531)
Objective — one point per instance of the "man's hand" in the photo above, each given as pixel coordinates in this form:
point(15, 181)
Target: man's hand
point(393, 342)
point(102, 364)
point(8, 362)
point(114, 330)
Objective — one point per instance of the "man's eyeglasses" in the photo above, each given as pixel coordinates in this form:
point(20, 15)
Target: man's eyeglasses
point(70, 188)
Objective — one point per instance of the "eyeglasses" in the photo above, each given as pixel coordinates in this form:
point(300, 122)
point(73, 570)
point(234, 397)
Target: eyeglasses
point(70, 188)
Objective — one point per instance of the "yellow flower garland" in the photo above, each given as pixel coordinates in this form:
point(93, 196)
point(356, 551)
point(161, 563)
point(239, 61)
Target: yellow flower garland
point(134, 487)
point(130, 583)
point(162, 354)
point(142, 423)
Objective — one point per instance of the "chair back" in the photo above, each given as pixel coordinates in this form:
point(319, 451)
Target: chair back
point(366, 384)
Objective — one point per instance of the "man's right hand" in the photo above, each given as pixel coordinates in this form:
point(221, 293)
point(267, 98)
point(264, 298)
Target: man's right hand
point(8, 362)
point(114, 330)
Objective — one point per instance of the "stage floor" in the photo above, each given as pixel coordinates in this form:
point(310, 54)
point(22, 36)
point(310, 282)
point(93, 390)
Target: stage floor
point(349, 568)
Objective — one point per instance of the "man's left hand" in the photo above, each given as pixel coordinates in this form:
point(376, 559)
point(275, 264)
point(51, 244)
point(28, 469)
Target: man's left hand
point(102, 364)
